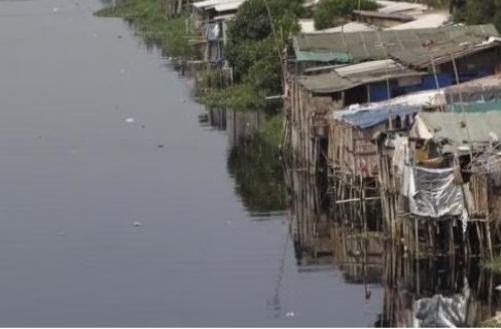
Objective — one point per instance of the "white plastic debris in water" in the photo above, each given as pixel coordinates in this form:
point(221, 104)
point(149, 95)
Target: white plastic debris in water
point(55, 9)
point(136, 224)
point(122, 71)
point(289, 314)
point(94, 35)
point(129, 120)
point(62, 233)
point(228, 222)
point(498, 288)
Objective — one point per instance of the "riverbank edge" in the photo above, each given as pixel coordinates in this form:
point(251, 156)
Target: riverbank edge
point(171, 35)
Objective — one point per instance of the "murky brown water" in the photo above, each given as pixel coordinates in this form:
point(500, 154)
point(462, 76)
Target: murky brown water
point(75, 177)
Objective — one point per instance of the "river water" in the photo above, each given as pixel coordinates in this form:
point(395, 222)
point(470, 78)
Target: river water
point(75, 176)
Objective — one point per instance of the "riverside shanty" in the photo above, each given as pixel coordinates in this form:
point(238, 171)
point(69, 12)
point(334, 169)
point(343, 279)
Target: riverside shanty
point(404, 122)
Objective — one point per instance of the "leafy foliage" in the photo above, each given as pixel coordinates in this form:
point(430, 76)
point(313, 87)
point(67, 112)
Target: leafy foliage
point(256, 167)
point(242, 96)
point(253, 48)
point(331, 13)
point(480, 12)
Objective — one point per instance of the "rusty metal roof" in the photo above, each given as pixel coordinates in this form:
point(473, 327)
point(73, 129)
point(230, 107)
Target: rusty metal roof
point(376, 45)
point(349, 76)
point(421, 57)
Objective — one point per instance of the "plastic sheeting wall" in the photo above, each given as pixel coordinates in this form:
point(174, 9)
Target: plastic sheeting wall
point(432, 192)
point(439, 311)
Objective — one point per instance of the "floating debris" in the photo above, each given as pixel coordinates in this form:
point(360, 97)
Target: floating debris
point(130, 120)
point(94, 35)
point(142, 126)
point(160, 146)
point(183, 100)
point(119, 36)
point(62, 233)
point(122, 71)
point(289, 314)
point(228, 222)
point(55, 9)
point(136, 224)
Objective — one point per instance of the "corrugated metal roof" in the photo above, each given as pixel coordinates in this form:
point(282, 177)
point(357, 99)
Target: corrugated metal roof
point(325, 56)
point(369, 45)
point(366, 117)
point(383, 15)
point(326, 83)
point(395, 7)
point(349, 76)
point(210, 3)
point(234, 5)
point(425, 21)
point(451, 126)
point(420, 57)
point(348, 27)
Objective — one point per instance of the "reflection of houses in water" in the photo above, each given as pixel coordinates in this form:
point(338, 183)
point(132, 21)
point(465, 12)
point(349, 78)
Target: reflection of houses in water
point(214, 117)
point(241, 124)
point(439, 292)
point(311, 229)
point(317, 239)
point(358, 256)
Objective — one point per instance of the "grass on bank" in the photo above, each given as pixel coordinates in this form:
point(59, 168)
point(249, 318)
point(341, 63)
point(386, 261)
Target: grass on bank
point(151, 24)
point(241, 96)
point(271, 130)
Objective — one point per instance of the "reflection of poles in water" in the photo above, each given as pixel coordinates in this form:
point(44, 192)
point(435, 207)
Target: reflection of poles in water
point(278, 284)
point(363, 252)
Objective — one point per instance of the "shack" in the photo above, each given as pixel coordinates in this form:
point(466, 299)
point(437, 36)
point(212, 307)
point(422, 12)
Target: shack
point(395, 63)
point(208, 25)
point(353, 161)
point(319, 49)
point(440, 185)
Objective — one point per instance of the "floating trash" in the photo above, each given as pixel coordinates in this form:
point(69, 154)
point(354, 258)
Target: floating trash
point(228, 222)
point(160, 146)
point(62, 233)
point(136, 224)
point(119, 36)
point(289, 314)
point(55, 9)
point(94, 35)
point(122, 71)
point(129, 120)
point(142, 126)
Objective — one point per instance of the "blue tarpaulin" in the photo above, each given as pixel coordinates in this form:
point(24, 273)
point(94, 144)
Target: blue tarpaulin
point(366, 117)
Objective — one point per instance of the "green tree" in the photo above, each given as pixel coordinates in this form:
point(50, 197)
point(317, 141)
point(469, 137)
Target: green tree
point(480, 12)
point(253, 48)
point(331, 13)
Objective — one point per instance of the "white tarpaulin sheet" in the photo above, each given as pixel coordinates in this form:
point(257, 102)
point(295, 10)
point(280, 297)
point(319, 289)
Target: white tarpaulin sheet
point(441, 312)
point(433, 193)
